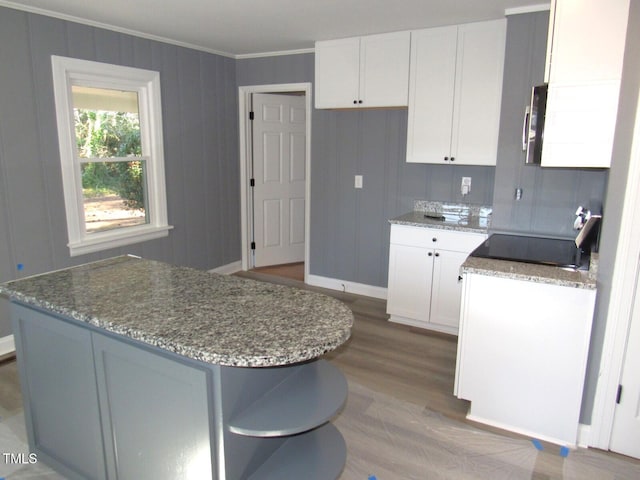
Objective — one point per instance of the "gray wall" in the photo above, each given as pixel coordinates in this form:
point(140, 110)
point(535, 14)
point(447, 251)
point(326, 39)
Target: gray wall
point(349, 227)
point(550, 195)
point(614, 201)
point(200, 140)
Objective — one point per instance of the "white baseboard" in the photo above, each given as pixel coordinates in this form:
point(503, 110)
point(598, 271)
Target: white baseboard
point(7, 345)
point(346, 286)
point(425, 325)
point(229, 268)
point(521, 431)
point(584, 435)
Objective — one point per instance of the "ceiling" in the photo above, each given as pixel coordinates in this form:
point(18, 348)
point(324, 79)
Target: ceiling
point(240, 28)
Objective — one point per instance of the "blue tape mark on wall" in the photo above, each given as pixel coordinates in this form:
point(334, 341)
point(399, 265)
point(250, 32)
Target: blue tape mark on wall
point(371, 477)
point(20, 266)
point(537, 444)
point(564, 452)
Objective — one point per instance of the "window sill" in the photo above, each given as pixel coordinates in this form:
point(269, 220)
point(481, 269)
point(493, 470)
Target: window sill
point(114, 239)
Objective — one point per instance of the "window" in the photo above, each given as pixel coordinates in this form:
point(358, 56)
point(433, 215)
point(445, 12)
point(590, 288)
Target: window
point(110, 134)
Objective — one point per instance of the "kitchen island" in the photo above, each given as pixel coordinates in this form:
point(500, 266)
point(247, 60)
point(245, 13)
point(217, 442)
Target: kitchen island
point(132, 368)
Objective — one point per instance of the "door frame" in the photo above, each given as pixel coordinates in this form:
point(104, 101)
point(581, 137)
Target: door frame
point(620, 308)
point(244, 130)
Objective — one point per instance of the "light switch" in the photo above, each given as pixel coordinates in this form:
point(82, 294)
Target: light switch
point(358, 181)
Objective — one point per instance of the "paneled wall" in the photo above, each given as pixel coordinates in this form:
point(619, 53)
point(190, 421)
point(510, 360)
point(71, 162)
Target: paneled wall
point(200, 140)
point(349, 227)
point(550, 195)
point(618, 177)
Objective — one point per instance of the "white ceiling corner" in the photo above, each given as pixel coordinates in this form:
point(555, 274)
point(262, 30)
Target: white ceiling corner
point(245, 28)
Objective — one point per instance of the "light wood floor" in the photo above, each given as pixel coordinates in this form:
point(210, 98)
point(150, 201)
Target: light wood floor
point(408, 363)
point(294, 271)
point(403, 421)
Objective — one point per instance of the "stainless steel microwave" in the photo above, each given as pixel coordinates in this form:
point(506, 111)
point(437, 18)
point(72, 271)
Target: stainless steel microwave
point(533, 125)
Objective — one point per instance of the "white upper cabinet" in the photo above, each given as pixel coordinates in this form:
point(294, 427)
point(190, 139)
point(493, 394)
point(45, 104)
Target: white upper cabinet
point(455, 92)
point(363, 72)
point(586, 40)
point(584, 67)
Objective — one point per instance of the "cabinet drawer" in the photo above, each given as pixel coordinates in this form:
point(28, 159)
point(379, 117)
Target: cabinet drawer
point(435, 238)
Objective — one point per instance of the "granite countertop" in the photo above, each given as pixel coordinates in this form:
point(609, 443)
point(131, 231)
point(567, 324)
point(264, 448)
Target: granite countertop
point(458, 217)
point(472, 223)
point(532, 272)
point(213, 318)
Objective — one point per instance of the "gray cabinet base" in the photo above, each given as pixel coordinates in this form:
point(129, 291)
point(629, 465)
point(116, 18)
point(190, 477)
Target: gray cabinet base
point(102, 406)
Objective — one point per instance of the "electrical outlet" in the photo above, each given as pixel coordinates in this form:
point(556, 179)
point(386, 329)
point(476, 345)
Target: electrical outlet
point(358, 181)
point(465, 186)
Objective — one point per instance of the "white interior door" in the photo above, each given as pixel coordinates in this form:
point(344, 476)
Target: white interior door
point(625, 436)
point(279, 146)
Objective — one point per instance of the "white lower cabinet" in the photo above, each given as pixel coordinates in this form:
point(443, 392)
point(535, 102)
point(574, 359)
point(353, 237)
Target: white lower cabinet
point(522, 355)
point(424, 285)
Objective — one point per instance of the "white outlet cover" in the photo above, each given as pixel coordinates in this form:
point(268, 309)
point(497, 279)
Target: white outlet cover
point(358, 181)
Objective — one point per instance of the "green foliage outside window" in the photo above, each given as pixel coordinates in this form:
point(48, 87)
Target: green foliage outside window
point(107, 134)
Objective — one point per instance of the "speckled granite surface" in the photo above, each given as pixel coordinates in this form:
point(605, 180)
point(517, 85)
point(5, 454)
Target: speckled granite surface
point(213, 318)
point(459, 217)
point(470, 223)
point(458, 209)
point(530, 272)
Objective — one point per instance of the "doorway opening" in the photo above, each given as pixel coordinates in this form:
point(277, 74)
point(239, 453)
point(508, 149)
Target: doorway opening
point(275, 139)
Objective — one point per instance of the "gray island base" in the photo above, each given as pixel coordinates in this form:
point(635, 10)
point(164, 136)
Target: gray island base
point(135, 369)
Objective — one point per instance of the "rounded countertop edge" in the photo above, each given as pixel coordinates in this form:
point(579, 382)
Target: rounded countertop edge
point(528, 272)
point(293, 356)
point(297, 326)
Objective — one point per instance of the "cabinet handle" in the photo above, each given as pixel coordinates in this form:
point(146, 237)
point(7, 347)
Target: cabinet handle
point(355, 102)
point(437, 254)
point(459, 278)
point(429, 254)
point(359, 101)
point(446, 159)
point(453, 158)
point(525, 127)
point(434, 239)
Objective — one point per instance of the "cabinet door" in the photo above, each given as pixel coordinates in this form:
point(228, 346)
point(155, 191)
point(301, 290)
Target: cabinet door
point(587, 41)
point(155, 414)
point(478, 92)
point(580, 125)
point(584, 68)
point(60, 396)
point(523, 356)
point(431, 90)
point(447, 289)
point(410, 278)
point(337, 73)
point(384, 70)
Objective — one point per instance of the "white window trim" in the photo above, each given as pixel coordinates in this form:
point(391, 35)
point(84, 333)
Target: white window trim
point(68, 71)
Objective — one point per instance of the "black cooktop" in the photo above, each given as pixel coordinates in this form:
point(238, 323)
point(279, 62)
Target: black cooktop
point(539, 250)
